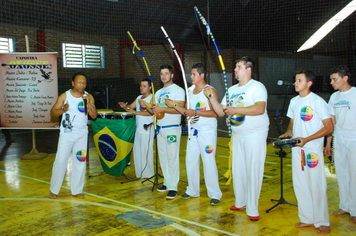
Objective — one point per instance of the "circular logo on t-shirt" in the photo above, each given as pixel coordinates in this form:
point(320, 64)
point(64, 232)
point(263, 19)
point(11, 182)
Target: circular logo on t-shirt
point(306, 114)
point(81, 107)
point(312, 160)
point(200, 106)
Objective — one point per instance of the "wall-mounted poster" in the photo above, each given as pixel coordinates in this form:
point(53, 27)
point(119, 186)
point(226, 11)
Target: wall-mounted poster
point(28, 89)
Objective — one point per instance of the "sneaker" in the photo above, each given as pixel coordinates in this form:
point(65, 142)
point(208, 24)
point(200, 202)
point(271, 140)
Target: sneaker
point(214, 202)
point(171, 194)
point(254, 218)
point(185, 196)
point(233, 208)
point(162, 189)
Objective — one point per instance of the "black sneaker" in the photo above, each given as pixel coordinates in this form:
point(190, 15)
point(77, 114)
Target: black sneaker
point(162, 189)
point(171, 194)
point(214, 202)
point(185, 196)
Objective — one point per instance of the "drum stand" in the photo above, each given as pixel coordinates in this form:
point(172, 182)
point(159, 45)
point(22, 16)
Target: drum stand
point(156, 175)
point(281, 199)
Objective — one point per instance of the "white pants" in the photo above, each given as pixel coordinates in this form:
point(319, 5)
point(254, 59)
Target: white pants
point(203, 144)
point(310, 186)
point(143, 152)
point(168, 141)
point(67, 143)
point(248, 161)
point(345, 166)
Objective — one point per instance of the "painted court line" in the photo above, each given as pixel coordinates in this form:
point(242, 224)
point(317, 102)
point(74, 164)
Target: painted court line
point(115, 201)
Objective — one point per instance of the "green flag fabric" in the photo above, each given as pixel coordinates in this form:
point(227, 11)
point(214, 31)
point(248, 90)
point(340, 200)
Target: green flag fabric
point(114, 142)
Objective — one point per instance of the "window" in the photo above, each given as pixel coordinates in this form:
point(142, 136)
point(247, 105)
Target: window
point(7, 44)
point(83, 56)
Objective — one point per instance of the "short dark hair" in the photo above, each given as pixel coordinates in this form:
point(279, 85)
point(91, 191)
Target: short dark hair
point(147, 80)
point(342, 70)
point(200, 68)
point(248, 61)
point(309, 74)
point(166, 67)
point(79, 73)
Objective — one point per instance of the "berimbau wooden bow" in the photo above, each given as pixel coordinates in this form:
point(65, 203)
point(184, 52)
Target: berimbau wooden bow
point(148, 71)
point(208, 31)
point(183, 73)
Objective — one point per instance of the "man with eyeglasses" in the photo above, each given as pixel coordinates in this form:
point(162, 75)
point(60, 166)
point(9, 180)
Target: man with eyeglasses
point(342, 108)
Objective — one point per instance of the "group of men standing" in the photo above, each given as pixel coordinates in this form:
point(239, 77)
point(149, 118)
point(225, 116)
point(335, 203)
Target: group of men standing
point(310, 120)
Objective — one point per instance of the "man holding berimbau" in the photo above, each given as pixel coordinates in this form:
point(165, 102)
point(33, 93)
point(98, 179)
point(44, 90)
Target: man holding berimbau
point(74, 106)
point(248, 101)
point(144, 135)
point(203, 138)
point(169, 130)
point(309, 122)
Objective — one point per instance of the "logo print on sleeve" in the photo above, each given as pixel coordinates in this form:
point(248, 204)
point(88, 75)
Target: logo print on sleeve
point(312, 160)
point(306, 114)
point(81, 155)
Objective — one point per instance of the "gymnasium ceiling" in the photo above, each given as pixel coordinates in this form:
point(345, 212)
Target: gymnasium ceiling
point(269, 25)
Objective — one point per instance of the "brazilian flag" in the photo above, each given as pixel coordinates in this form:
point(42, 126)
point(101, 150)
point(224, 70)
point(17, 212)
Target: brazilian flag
point(114, 142)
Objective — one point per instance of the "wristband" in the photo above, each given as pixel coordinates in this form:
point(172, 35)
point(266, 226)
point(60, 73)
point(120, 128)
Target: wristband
point(196, 112)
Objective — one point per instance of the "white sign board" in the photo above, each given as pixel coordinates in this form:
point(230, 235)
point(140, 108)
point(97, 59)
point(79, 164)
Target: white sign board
point(28, 89)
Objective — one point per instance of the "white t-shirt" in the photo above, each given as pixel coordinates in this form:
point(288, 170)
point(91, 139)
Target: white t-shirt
point(175, 93)
point(200, 102)
point(307, 114)
point(245, 96)
point(343, 106)
point(142, 120)
point(74, 120)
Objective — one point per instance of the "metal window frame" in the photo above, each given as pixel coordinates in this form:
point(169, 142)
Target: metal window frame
point(7, 44)
point(79, 55)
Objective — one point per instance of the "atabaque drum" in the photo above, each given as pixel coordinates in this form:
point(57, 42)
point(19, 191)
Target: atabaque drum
point(119, 115)
point(286, 143)
point(103, 113)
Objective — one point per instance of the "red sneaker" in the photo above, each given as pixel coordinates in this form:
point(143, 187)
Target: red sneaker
point(233, 208)
point(254, 218)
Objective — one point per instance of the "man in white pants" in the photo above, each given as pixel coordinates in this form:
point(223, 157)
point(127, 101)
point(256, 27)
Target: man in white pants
point(202, 140)
point(342, 106)
point(169, 130)
point(144, 135)
point(309, 122)
point(248, 98)
point(73, 105)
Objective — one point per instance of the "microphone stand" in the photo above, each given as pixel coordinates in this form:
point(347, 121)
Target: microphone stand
point(156, 175)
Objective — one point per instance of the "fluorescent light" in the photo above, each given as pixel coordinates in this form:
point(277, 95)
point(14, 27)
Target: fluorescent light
point(329, 26)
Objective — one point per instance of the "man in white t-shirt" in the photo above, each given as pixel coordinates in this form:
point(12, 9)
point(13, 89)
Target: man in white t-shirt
point(309, 122)
point(248, 98)
point(342, 106)
point(203, 138)
point(144, 135)
point(169, 130)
